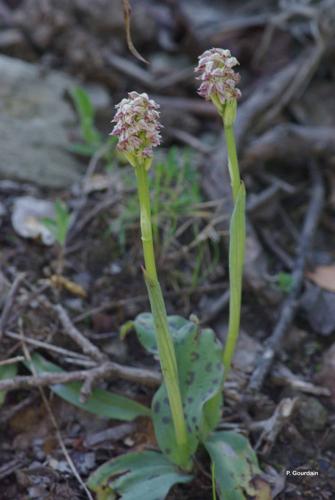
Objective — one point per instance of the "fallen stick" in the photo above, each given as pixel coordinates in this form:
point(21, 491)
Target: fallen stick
point(85, 344)
point(291, 143)
point(272, 427)
point(108, 369)
point(291, 303)
point(11, 361)
point(10, 302)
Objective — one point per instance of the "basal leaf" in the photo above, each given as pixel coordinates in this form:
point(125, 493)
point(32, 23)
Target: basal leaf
point(102, 403)
point(145, 329)
point(237, 472)
point(146, 475)
point(200, 372)
point(6, 371)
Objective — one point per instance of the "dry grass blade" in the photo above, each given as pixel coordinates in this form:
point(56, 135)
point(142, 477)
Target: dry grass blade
point(131, 46)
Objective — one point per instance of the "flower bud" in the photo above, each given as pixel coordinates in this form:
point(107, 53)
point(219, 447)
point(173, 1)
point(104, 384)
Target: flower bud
point(137, 128)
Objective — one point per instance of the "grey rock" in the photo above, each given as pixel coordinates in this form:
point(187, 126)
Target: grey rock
point(33, 120)
point(318, 307)
point(313, 416)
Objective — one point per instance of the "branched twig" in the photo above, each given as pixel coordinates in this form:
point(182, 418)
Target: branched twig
point(271, 427)
point(291, 303)
point(85, 344)
point(291, 142)
point(106, 370)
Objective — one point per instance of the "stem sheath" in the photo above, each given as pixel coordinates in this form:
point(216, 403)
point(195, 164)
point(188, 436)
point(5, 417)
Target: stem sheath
point(236, 249)
point(234, 171)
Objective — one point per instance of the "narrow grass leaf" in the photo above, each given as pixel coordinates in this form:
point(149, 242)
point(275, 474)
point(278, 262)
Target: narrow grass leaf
point(85, 110)
point(6, 371)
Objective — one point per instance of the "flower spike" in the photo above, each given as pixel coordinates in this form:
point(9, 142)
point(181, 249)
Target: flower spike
point(218, 78)
point(137, 128)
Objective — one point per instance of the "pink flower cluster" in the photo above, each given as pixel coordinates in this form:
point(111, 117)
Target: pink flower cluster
point(218, 79)
point(137, 125)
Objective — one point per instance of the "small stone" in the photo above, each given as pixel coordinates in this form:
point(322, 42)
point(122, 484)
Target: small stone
point(27, 218)
point(313, 416)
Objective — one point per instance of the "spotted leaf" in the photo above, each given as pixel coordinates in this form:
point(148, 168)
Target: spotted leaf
point(237, 473)
point(200, 373)
point(145, 475)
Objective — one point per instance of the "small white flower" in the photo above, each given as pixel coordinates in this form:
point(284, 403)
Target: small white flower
point(137, 125)
point(218, 79)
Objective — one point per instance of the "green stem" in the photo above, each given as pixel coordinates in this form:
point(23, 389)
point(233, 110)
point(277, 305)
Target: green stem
point(236, 250)
point(164, 341)
point(234, 170)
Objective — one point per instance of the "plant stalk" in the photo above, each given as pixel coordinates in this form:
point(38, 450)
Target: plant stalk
point(236, 249)
point(165, 345)
point(234, 170)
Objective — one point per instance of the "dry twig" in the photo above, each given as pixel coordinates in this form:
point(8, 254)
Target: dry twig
point(50, 347)
point(131, 46)
point(55, 424)
point(85, 344)
point(291, 303)
point(271, 427)
point(11, 361)
point(281, 375)
point(293, 143)
point(10, 302)
point(106, 370)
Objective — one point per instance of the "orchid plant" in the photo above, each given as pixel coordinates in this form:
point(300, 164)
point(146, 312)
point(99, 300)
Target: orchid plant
point(187, 407)
point(218, 84)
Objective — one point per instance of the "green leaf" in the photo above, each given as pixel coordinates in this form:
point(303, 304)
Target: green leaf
point(200, 373)
point(213, 481)
point(146, 333)
point(6, 371)
point(236, 467)
point(236, 263)
point(59, 226)
point(82, 149)
point(50, 224)
point(62, 221)
point(102, 403)
point(146, 475)
point(285, 281)
point(85, 112)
